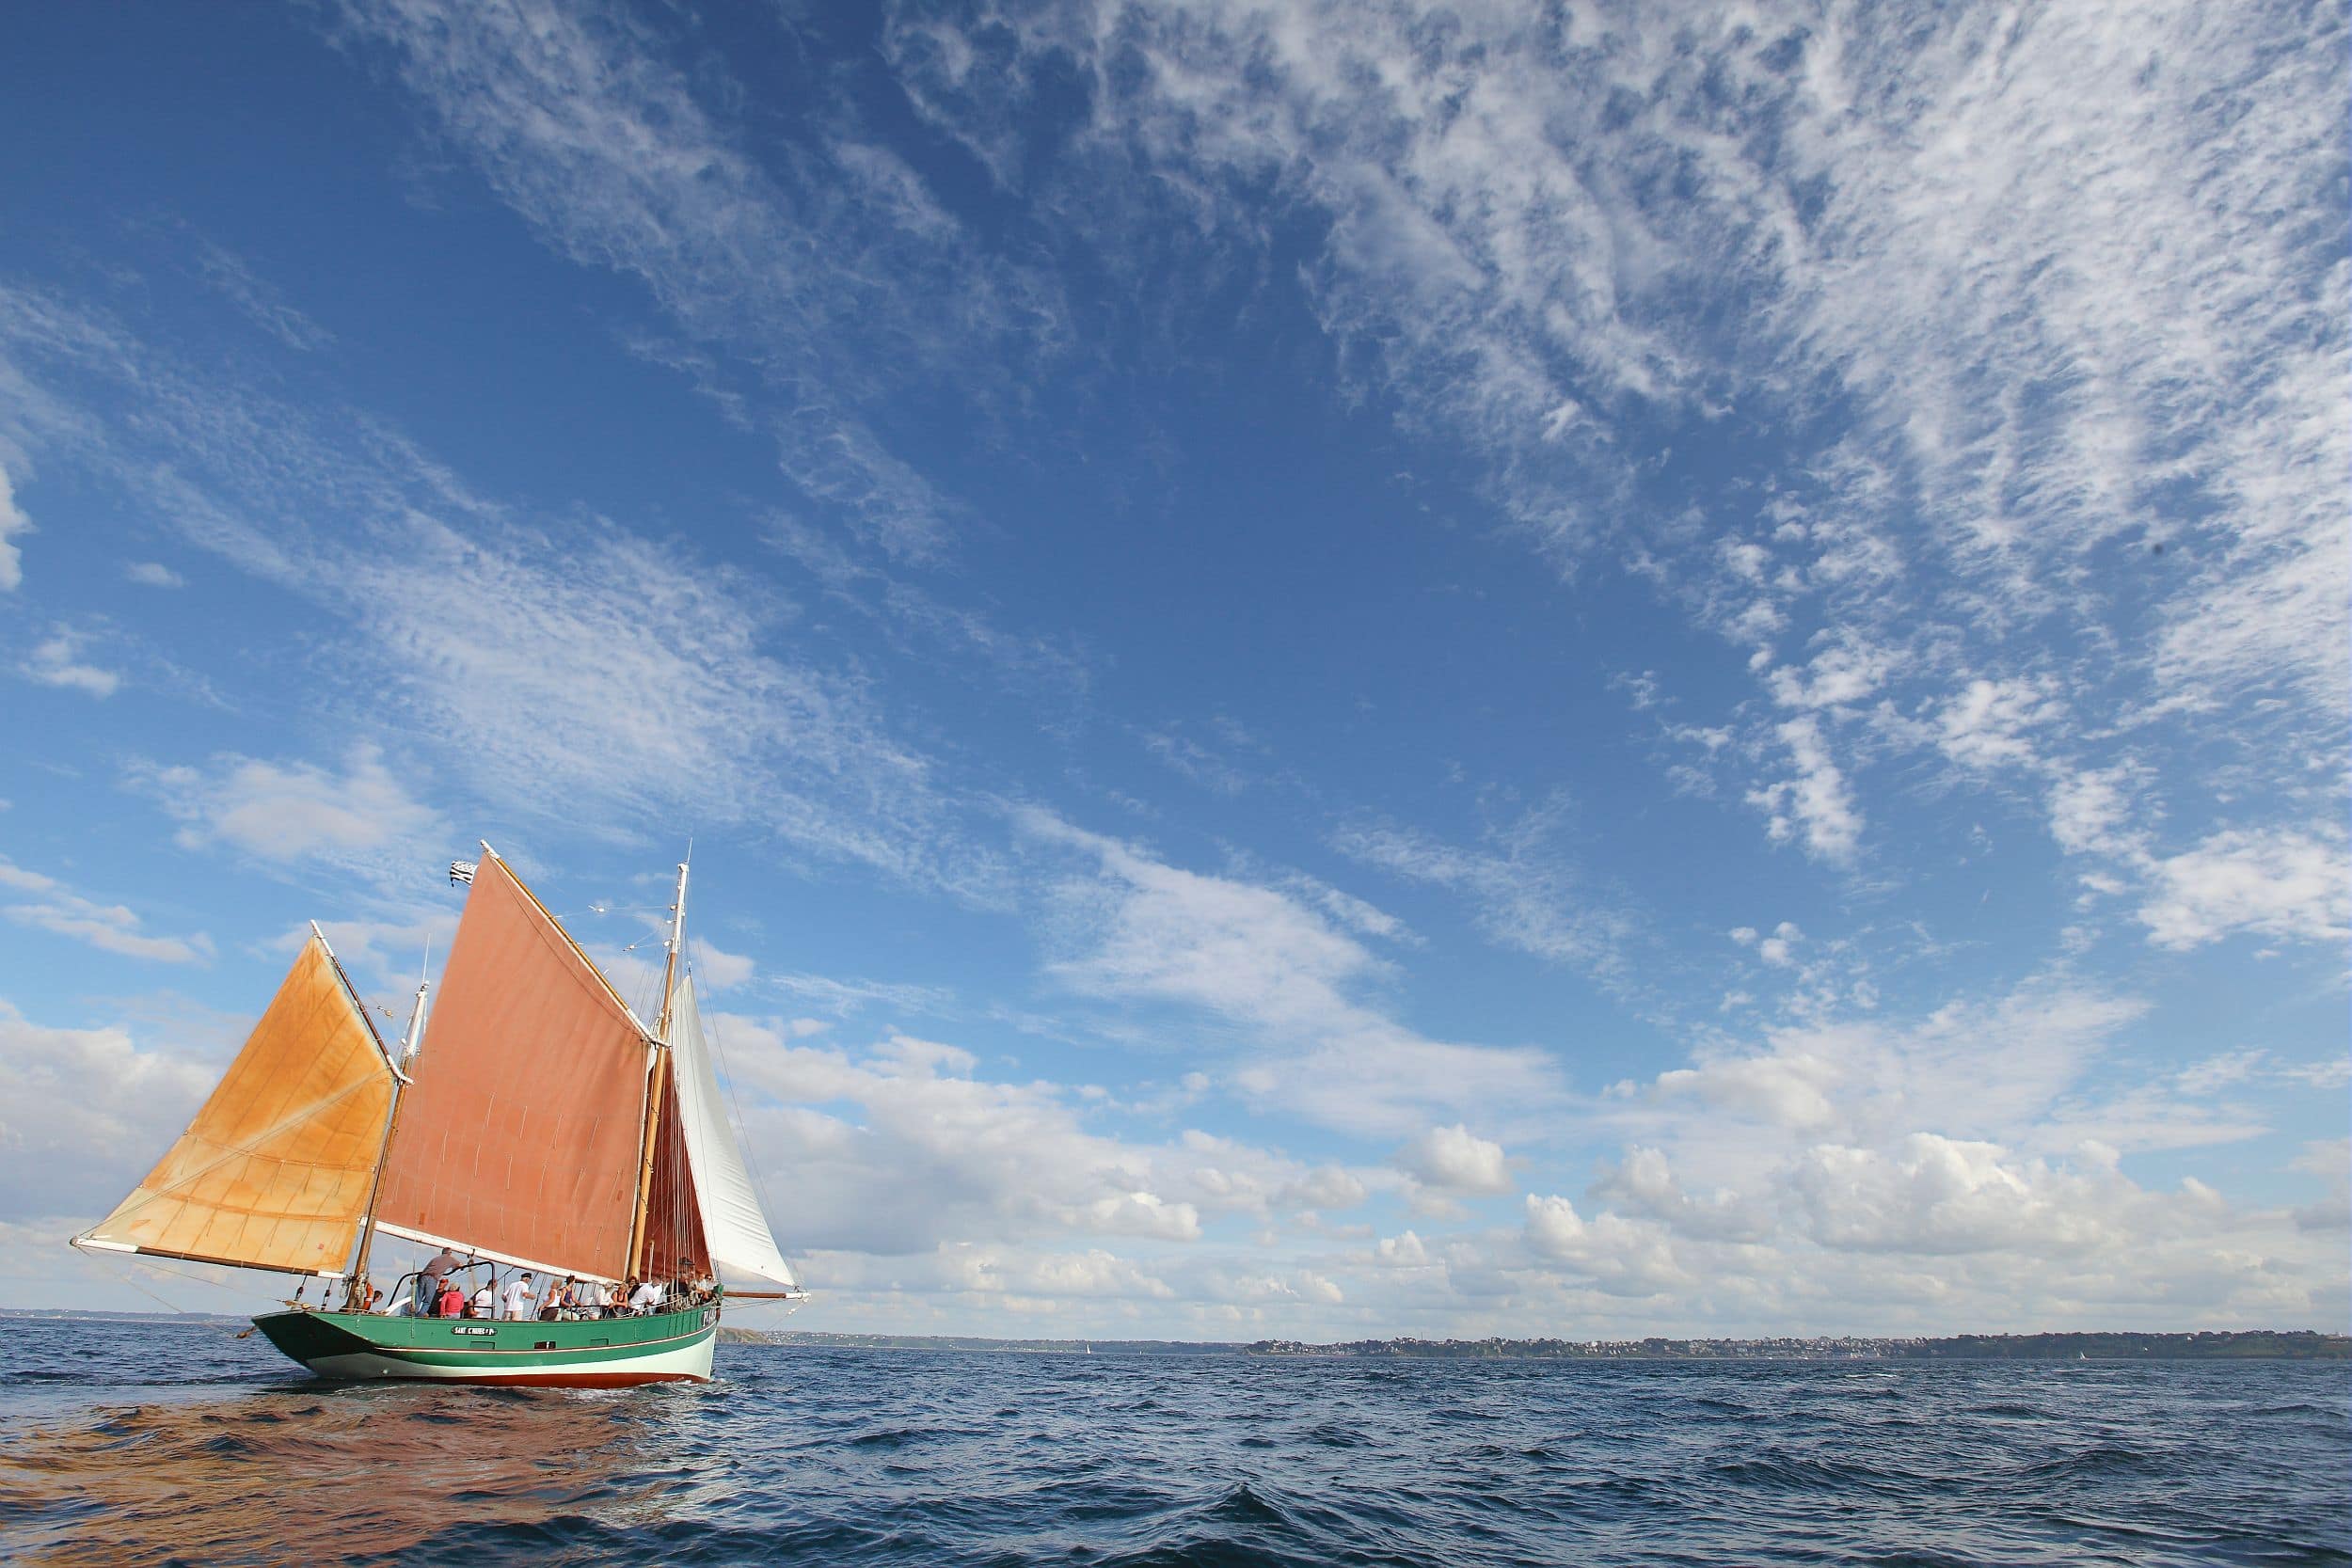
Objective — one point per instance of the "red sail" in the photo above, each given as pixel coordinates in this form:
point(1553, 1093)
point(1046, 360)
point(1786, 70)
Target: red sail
point(521, 1134)
point(674, 1248)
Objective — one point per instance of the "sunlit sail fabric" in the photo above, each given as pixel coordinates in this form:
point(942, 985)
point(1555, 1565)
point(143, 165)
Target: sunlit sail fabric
point(733, 1227)
point(521, 1135)
point(274, 1171)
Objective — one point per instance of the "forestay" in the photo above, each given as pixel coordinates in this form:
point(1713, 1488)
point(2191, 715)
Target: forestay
point(734, 1225)
point(274, 1171)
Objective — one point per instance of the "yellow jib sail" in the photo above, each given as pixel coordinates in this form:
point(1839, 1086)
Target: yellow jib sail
point(275, 1171)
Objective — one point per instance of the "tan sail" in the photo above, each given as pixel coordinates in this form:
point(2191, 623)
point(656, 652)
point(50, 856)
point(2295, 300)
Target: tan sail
point(520, 1137)
point(273, 1172)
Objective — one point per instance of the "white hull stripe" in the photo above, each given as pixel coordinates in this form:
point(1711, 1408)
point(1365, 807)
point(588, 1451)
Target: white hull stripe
point(687, 1358)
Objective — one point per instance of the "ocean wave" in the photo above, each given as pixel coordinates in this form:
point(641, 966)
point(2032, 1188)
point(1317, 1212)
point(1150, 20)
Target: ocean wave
point(1002, 1462)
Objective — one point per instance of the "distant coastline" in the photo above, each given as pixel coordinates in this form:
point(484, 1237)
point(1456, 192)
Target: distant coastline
point(2202, 1345)
point(2206, 1345)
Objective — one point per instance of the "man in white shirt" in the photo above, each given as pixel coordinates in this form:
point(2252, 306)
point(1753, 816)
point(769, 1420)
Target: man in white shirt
point(646, 1298)
point(485, 1301)
point(519, 1298)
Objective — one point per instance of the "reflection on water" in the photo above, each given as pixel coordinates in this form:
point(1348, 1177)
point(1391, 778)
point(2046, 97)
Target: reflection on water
point(312, 1471)
point(155, 1443)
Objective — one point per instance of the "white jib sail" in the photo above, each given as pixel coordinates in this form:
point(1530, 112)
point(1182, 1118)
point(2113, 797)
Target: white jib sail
point(733, 1227)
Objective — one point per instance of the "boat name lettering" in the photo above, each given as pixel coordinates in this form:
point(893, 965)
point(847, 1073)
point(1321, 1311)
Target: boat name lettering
point(471, 1328)
point(710, 1315)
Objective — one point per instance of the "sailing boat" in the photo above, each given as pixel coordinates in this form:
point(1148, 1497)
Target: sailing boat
point(545, 1128)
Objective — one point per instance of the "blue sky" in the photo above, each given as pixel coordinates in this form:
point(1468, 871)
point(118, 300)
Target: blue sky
point(1334, 670)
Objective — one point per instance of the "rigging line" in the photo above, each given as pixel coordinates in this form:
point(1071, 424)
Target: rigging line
point(174, 1306)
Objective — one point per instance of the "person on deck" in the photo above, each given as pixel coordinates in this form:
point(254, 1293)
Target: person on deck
point(520, 1297)
point(558, 1304)
point(485, 1303)
point(598, 1301)
point(645, 1299)
point(435, 1273)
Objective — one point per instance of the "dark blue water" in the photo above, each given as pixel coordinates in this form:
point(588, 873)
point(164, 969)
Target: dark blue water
point(152, 1445)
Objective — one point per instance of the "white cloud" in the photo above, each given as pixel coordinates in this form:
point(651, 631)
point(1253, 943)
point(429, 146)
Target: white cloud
point(2214, 1073)
point(1138, 930)
point(2283, 883)
point(898, 1146)
point(55, 661)
point(619, 159)
point(289, 811)
point(1817, 801)
point(1990, 723)
point(1455, 1160)
point(844, 998)
point(1526, 892)
point(1614, 1255)
point(12, 523)
point(1936, 1194)
point(1643, 1183)
point(1538, 223)
point(718, 969)
point(110, 927)
point(152, 574)
point(2330, 1160)
point(2090, 811)
point(1843, 673)
point(84, 1112)
point(574, 666)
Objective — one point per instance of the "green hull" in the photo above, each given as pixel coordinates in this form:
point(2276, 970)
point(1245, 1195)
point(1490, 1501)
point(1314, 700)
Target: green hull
point(670, 1347)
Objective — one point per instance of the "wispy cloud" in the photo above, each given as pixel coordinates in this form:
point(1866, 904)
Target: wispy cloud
point(2283, 884)
point(583, 667)
point(45, 904)
point(1816, 802)
point(233, 278)
point(12, 523)
point(287, 812)
point(1525, 888)
point(581, 122)
point(2013, 288)
point(1137, 929)
point(56, 660)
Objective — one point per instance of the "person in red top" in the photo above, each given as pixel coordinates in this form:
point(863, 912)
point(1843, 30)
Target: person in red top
point(452, 1301)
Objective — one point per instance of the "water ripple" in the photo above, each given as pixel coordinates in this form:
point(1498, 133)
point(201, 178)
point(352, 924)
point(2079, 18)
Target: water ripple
point(121, 1443)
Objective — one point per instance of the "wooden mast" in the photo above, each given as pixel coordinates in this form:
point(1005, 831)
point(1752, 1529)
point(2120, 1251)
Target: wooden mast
point(400, 1078)
point(658, 1070)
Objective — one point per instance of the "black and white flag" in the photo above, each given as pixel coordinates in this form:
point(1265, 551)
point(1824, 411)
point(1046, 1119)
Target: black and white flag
point(461, 871)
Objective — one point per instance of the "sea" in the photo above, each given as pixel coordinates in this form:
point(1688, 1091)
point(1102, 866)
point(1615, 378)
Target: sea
point(142, 1443)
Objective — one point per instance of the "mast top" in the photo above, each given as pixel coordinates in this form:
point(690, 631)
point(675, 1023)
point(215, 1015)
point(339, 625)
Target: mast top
point(678, 945)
